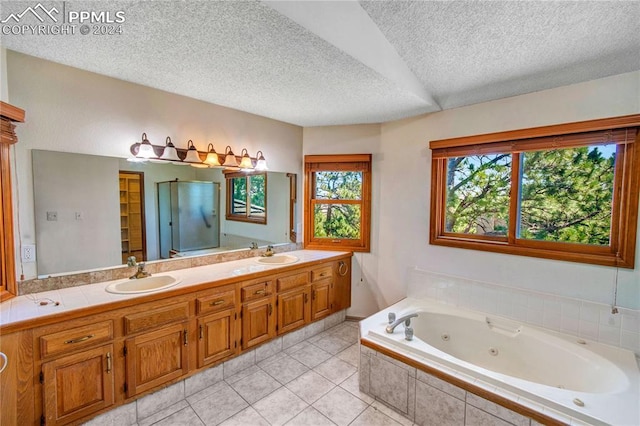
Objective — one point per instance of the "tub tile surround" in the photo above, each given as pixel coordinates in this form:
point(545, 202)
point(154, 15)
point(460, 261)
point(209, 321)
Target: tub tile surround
point(75, 279)
point(588, 320)
point(424, 399)
point(247, 393)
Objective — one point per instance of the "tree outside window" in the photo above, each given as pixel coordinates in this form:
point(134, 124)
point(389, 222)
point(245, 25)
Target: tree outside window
point(337, 201)
point(247, 197)
point(570, 195)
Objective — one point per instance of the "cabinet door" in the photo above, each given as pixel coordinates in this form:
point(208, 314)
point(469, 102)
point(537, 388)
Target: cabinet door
point(293, 309)
point(78, 385)
point(216, 337)
point(321, 299)
point(156, 357)
point(341, 298)
point(258, 322)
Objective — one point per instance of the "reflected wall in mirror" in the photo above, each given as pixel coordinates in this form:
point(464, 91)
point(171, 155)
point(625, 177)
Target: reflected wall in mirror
point(78, 212)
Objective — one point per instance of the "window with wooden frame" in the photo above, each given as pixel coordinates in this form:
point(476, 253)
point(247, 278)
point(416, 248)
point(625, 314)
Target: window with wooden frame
point(566, 192)
point(337, 209)
point(247, 197)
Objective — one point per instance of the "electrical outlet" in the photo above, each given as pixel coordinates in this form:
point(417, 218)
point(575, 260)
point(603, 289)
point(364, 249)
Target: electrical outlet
point(52, 216)
point(28, 253)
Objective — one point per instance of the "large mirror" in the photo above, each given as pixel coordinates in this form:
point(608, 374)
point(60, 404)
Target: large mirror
point(93, 212)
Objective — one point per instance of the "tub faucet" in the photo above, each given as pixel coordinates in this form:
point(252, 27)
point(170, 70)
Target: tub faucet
point(405, 319)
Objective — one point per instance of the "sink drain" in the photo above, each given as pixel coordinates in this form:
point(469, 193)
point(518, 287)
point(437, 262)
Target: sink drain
point(445, 337)
point(493, 351)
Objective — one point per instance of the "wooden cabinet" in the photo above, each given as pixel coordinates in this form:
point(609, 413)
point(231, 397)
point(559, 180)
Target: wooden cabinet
point(160, 354)
point(156, 357)
point(321, 299)
point(341, 297)
point(67, 370)
point(77, 385)
point(258, 317)
point(217, 329)
point(293, 309)
point(76, 369)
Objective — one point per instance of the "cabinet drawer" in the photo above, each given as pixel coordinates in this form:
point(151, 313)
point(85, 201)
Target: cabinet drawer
point(255, 291)
point(321, 273)
point(147, 320)
point(213, 301)
point(76, 338)
point(293, 281)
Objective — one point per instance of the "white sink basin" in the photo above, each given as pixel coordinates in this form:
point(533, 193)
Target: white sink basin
point(143, 285)
point(278, 259)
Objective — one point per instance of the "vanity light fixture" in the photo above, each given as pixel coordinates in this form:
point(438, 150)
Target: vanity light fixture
point(145, 149)
point(170, 152)
point(212, 159)
point(230, 158)
point(261, 163)
point(193, 158)
point(245, 161)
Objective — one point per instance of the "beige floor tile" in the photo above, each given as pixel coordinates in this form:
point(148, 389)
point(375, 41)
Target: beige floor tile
point(340, 406)
point(310, 386)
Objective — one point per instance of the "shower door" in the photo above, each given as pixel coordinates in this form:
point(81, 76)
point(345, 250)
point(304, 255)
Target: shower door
point(188, 214)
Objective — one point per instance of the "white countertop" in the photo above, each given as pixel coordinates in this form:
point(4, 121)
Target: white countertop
point(23, 308)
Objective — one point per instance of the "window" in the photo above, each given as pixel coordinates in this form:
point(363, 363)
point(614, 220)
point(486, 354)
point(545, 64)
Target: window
point(247, 197)
point(337, 201)
point(566, 192)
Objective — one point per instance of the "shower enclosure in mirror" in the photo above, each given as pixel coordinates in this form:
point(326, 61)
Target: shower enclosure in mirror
point(188, 217)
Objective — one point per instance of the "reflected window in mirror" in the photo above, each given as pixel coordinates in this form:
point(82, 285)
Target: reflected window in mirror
point(247, 197)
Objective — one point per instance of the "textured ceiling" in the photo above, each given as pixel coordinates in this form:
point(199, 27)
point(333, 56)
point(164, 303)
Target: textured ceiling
point(261, 58)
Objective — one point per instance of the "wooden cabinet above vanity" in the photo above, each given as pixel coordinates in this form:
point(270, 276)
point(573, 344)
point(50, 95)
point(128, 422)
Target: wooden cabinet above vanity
point(69, 367)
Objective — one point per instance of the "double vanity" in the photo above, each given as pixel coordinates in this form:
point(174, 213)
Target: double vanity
point(106, 344)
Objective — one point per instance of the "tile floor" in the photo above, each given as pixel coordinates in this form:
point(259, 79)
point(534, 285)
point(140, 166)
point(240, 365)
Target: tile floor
point(314, 382)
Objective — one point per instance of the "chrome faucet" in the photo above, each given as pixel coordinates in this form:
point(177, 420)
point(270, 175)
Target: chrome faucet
point(405, 319)
point(254, 245)
point(140, 273)
point(268, 252)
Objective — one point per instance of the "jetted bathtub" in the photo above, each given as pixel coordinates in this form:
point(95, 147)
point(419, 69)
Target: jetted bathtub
point(589, 381)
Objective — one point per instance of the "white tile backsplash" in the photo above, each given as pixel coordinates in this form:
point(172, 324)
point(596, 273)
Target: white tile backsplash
point(593, 321)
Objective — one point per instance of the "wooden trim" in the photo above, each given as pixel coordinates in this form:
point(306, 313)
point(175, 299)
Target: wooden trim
point(8, 115)
point(476, 390)
point(349, 162)
point(339, 158)
point(247, 217)
point(11, 112)
point(624, 219)
point(293, 199)
point(537, 132)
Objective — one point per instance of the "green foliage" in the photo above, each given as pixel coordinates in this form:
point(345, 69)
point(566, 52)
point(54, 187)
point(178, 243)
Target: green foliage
point(478, 194)
point(566, 195)
point(337, 220)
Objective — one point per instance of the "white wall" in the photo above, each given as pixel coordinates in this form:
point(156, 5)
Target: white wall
point(77, 111)
point(402, 170)
point(71, 184)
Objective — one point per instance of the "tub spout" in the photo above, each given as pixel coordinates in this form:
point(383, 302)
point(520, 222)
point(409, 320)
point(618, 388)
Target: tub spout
point(405, 319)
